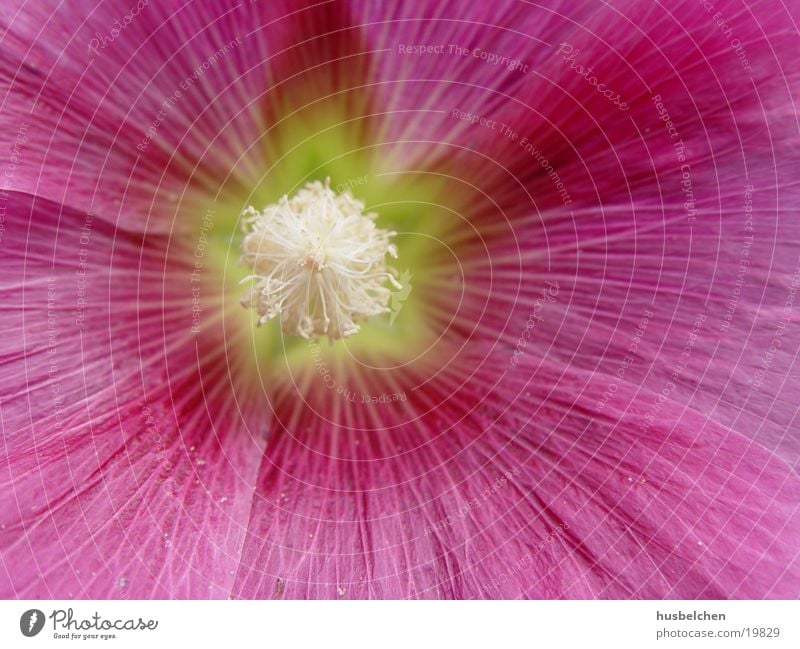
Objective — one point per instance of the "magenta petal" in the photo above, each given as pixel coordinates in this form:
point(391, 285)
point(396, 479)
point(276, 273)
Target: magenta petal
point(688, 224)
point(124, 129)
point(428, 69)
point(664, 502)
point(529, 496)
point(641, 441)
point(116, 485)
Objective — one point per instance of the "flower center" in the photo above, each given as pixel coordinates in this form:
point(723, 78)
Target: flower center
point(318, 262)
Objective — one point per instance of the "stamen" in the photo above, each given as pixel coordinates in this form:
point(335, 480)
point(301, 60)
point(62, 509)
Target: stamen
point(318, 262)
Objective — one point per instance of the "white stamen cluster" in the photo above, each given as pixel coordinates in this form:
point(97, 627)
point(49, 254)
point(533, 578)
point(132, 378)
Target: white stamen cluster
point(318, 262)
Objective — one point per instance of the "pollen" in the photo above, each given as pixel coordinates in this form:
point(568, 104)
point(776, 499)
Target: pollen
point(317, 262)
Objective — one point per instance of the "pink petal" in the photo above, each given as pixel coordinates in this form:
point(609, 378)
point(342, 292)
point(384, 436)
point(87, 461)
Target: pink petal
point(674, 484)
point(169, 106)
point(129, 470)
point(528, 495)
point(623, 241)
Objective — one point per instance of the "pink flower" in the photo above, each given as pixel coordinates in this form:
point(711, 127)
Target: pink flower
point(585, 386)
